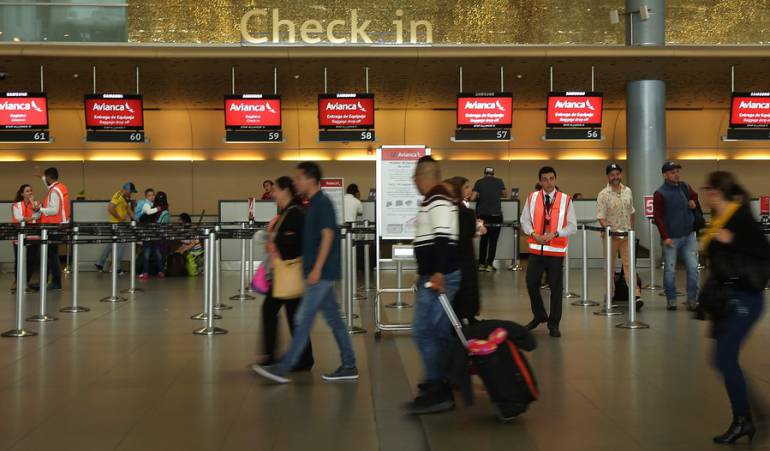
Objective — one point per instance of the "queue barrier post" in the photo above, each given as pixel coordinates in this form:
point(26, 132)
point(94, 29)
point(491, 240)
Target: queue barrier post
point(516, 263)
point(75, 308)
point(250, 266)
point(132, 287)
point(115, 261)
point(210, 257)
point(584, 301)
point(631, 322)
point(218, 305)
point(567, 293)
point(354, 272)
point(652, 286)
point(242, 296)
point(350, 268)
point(609, 309)
point(21, 263)
point(204, 315)
point(399, 304)
point(43, 316)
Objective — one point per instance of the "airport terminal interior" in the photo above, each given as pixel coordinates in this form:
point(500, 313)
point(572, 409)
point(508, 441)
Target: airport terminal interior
point(205, 100)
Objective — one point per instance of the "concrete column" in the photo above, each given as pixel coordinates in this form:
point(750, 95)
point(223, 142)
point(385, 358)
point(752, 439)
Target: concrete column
point(645, 115)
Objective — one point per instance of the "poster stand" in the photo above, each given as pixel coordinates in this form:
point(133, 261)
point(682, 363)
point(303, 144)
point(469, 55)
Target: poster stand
point(396, 211)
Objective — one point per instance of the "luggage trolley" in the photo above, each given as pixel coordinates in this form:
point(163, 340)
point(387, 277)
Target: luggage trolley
point(402, 253)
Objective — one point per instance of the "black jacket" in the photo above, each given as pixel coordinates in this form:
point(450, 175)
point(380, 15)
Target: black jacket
point(466, 302)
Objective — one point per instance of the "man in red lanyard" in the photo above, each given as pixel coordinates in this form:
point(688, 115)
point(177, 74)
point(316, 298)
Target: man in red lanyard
point(54, 210)
point(547, 219)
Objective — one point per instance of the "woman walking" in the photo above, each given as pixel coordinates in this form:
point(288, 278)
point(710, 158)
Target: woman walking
point(739, 255)
point(284, 245)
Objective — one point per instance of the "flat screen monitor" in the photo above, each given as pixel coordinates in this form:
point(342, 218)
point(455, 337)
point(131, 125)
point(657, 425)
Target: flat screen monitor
point(253, 112)
point(114, 112)
point(484, 110)
point(339, 111)
point(23, 110)
point(750, 110)
point(574, 109)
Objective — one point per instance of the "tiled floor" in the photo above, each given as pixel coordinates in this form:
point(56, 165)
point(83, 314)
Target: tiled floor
point(132, 376)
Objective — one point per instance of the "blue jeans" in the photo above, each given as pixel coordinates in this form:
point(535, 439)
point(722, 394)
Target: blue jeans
point(319, 297)
point(687, 247)
point(107, 251)
point(745, 309)
point(431, 328)
point(150, 248)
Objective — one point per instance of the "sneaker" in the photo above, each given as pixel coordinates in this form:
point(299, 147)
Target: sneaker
point(144, 276)
point(692, 306)
point(433, 398)
point(29, 290)
point(639, 305)
point(482, 268)
point(491, 268)
point(99, 268)
point(342, 374)
point(271, 372)
point(671, 307)
point(161, 275)
point(122, 273)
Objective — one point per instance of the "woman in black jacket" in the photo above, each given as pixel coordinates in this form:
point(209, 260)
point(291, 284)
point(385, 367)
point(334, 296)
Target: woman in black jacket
point(466, 303)
point(286, 243)
point(732, 297)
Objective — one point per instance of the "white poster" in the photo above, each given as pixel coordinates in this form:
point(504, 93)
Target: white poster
point(397, 196)
point(335, 189)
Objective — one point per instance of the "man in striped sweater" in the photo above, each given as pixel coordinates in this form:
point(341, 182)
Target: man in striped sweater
point(435, 248)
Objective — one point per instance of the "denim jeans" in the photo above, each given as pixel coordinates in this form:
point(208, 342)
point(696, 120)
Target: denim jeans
point(687, 247)
point(319, 297)
point(152, 248)
point(107, 251)
point(431, 328)
point(745, 309)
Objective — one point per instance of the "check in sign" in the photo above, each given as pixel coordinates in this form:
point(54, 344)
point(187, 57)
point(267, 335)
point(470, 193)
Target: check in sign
point(649, 210)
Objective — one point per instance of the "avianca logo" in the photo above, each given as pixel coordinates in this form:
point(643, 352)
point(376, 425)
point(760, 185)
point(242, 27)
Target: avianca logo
point(252, 108)
point(345, 106)
point(476, 105)
point(13, 106)
point(755, 105)
point(407, 155)
point(97, 106)
point(569, 104)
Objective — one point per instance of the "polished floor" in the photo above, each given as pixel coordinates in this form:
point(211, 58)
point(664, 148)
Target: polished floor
point(132, 376)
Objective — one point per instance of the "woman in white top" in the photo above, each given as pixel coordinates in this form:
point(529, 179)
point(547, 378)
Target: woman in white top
point(353, 207)
point(22, 210)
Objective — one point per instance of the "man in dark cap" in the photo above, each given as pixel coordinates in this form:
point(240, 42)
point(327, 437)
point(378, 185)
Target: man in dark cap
point(674, 206)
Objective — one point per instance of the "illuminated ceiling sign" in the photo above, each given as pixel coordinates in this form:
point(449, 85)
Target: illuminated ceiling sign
point(264, 26)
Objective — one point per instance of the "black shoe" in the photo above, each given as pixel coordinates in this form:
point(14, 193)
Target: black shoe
point(433, 398)
point(692, 307)
point(639, 305)
point(534, 323)
point(671, 307)
point(740, 427)
point(554, 332)
point(99, 268)
point(121, 272)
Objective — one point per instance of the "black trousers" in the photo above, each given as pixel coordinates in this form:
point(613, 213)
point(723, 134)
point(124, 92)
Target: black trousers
point(488, 241)
point(271, 308)
point(54, 268)
point(33, 260)
point(552, 267)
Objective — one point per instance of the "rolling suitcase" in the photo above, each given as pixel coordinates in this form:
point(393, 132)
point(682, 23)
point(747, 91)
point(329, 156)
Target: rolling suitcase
point(494, 352)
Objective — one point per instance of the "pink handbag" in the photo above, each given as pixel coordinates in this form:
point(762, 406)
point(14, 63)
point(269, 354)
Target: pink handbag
point(261, 281)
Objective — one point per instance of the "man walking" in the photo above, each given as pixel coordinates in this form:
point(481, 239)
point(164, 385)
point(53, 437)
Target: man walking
point(119, 210)
point(54, 210)
point(321, 265)
point(435, 248)
point(488, 192)
point(548, 219)
point(674, 206)
point(615, 208)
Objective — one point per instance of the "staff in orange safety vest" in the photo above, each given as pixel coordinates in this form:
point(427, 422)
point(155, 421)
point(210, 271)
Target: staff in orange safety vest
point(55, 210)
point(547, 219)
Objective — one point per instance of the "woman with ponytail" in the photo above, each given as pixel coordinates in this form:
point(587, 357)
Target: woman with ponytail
point(732, 297)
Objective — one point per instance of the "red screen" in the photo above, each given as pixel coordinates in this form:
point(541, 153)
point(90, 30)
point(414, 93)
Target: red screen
point(114, 113)
point(750, 110)
point(245, 113)
point(23, 112)
point(574, 110)
point(346, 112)
point(484, 111)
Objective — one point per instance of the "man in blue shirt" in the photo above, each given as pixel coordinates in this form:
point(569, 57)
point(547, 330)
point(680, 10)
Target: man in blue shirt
point(321, 264)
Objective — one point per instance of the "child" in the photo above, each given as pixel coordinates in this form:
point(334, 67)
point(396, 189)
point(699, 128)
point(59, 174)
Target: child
point(144, 208)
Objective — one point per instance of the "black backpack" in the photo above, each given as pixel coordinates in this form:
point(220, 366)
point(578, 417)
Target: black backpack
point(175, 265)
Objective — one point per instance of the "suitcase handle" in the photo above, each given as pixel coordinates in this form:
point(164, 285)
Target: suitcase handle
point(452, 316)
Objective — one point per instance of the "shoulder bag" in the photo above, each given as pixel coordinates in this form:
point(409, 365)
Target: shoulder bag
point(288, 278)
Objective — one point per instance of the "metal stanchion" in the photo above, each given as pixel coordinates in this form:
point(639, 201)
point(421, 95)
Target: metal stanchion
point(652, 286)
point(43, 317)
point(631, 322)
point(609, 309)
point(242, 296)
point(132, 287)
point(68, 268)
point(115, 260)
point(350, 269)
point(399, 301)
point(585, 302)
point(250, 266)
point(354, 274)
point(204, 315)
point(218, 305)
point(75, 308)
point(516, 264)
point(367, 268)
point(567, 294)
point(21, 263)
point(210, 328)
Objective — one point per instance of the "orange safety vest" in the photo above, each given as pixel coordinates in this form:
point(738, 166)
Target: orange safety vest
point(557, 247)
point(26, 211)
point(63, 215)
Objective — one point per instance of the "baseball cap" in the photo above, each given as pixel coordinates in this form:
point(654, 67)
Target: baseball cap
point(669, 166)
point(129, 186)
point(613, 167)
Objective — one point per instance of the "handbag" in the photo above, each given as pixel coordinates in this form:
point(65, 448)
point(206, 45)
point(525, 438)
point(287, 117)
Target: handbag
point(288, 277)
point(261, 280)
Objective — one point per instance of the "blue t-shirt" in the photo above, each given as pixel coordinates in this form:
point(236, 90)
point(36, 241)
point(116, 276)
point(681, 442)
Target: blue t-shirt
point(320, 215)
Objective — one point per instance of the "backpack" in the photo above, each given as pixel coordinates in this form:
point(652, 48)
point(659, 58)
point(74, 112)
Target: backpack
point(175, 265)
